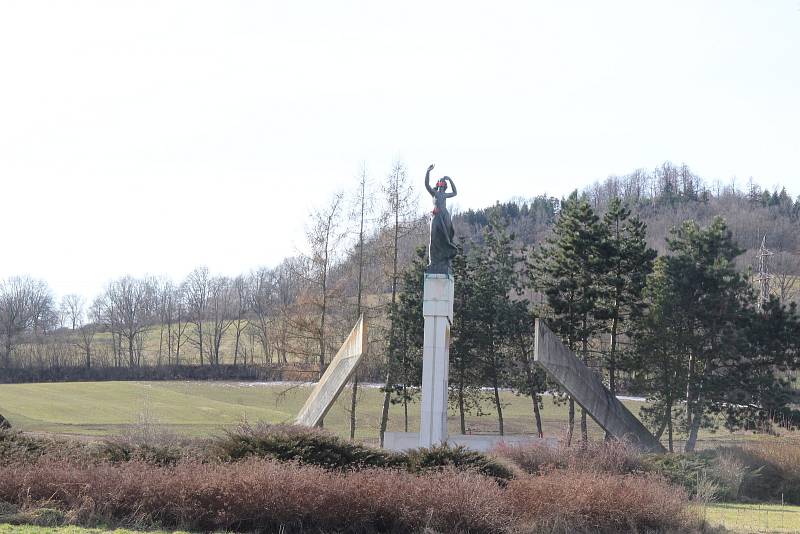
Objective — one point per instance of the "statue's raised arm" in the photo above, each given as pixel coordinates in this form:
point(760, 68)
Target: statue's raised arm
point(454, 193)
point(428, 179)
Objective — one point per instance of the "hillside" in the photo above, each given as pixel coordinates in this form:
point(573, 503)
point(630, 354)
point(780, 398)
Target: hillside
point(664, 198)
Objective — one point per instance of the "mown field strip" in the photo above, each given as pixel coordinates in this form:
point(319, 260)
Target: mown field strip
point(203, 408)
point(763, 518)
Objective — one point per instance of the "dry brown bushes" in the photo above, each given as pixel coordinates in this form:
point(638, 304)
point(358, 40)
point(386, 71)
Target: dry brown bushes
point(264, 495)
point(581, 501)
point(615, 457)
point(258, 494)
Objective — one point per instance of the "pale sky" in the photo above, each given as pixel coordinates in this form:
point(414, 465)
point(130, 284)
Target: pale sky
point(154, 136)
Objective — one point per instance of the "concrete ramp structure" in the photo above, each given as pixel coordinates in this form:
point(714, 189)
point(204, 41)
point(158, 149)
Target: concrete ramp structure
point(586, 388)
point(335, 377)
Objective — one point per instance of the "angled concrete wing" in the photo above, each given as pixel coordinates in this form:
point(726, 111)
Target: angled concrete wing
point(336, 376)
point(585, 387)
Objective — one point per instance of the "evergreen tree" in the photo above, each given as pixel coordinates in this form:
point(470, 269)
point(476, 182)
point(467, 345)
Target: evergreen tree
point(494, 280)
point(657, 355)
point(525, 377)
point(405, 346)
point(466, 394)
point(701, 322)
point(765, 391)
point(629, 261)
point(569, 269)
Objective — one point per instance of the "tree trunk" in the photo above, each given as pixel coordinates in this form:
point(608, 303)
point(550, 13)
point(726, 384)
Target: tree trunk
point(353, 401)
point(691, 441)
point(669, 427)
point(497, 403)
point(534, 396)
point(388, 392)
point(200, 336)
point(536, 414)
point(571, 422)
point(461, 417)
point(387, 395)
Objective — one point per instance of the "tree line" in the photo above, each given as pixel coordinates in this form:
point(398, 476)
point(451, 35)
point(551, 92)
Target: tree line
point(297, 312)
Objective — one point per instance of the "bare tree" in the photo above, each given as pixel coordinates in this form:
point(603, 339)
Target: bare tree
point(241, 307)
point(399, 209)
point(220, 312)
point(128, 302)
point(23, 302)
point(72, 309)
point(261, 293)
point(196, 289)
point(360, 211)
point(86, 333)
point(286, 290)
point(324, 237)
point(178, 334)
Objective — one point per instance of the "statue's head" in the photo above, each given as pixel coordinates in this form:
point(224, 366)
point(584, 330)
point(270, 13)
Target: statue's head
point(441, 184)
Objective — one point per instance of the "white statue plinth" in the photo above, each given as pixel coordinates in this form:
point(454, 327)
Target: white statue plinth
point(437, 308)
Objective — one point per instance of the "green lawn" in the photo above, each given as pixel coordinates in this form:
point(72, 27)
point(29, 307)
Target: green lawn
point(754, 517)
point(202, 408)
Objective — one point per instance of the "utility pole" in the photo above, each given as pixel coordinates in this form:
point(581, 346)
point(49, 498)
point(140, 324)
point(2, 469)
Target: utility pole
point(763, 277)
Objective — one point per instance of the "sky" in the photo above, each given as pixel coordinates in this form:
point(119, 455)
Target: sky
point(151, 137)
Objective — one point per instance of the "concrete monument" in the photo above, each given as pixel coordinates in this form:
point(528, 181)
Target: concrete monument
point(585, 387)
point(336, 376)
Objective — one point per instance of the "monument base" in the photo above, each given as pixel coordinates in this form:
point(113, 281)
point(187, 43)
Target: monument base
point(403, 441)
point(437, 310)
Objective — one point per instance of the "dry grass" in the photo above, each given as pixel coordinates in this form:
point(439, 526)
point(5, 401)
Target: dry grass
point(257, 494)
point(575, 501)
point(784, 452)
point(616, 457)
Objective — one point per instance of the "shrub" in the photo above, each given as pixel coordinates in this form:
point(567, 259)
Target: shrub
point(617, 457)
point(16, 447)
point(684, 470)
point(312, 446)
point(303, 445)
point(729, 473)
point(772, 469)
point(257, 494)
point(121, 451)
point(460, 458)
point(591, 501)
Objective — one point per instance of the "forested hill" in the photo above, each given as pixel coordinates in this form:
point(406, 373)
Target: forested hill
point(664, 198)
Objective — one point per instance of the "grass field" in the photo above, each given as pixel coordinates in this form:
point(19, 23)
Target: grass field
point(739, 518)
point(763, 518)
point(204, 408)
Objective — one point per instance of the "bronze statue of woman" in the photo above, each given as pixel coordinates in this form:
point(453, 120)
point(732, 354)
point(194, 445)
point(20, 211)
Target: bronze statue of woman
point(442, 250)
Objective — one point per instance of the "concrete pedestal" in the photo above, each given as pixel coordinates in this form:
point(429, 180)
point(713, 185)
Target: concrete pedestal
point(437, 309)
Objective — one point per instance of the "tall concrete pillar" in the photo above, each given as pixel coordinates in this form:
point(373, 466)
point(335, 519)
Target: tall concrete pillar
point(437, 308)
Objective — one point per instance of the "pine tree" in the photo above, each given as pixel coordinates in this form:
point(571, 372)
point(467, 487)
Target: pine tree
point(466, 394)
point(405, 346)
point(629, 261)
point(494, 281)
point(701, 321)
point(569, 270)
point(525, 377)
point(657, 356)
